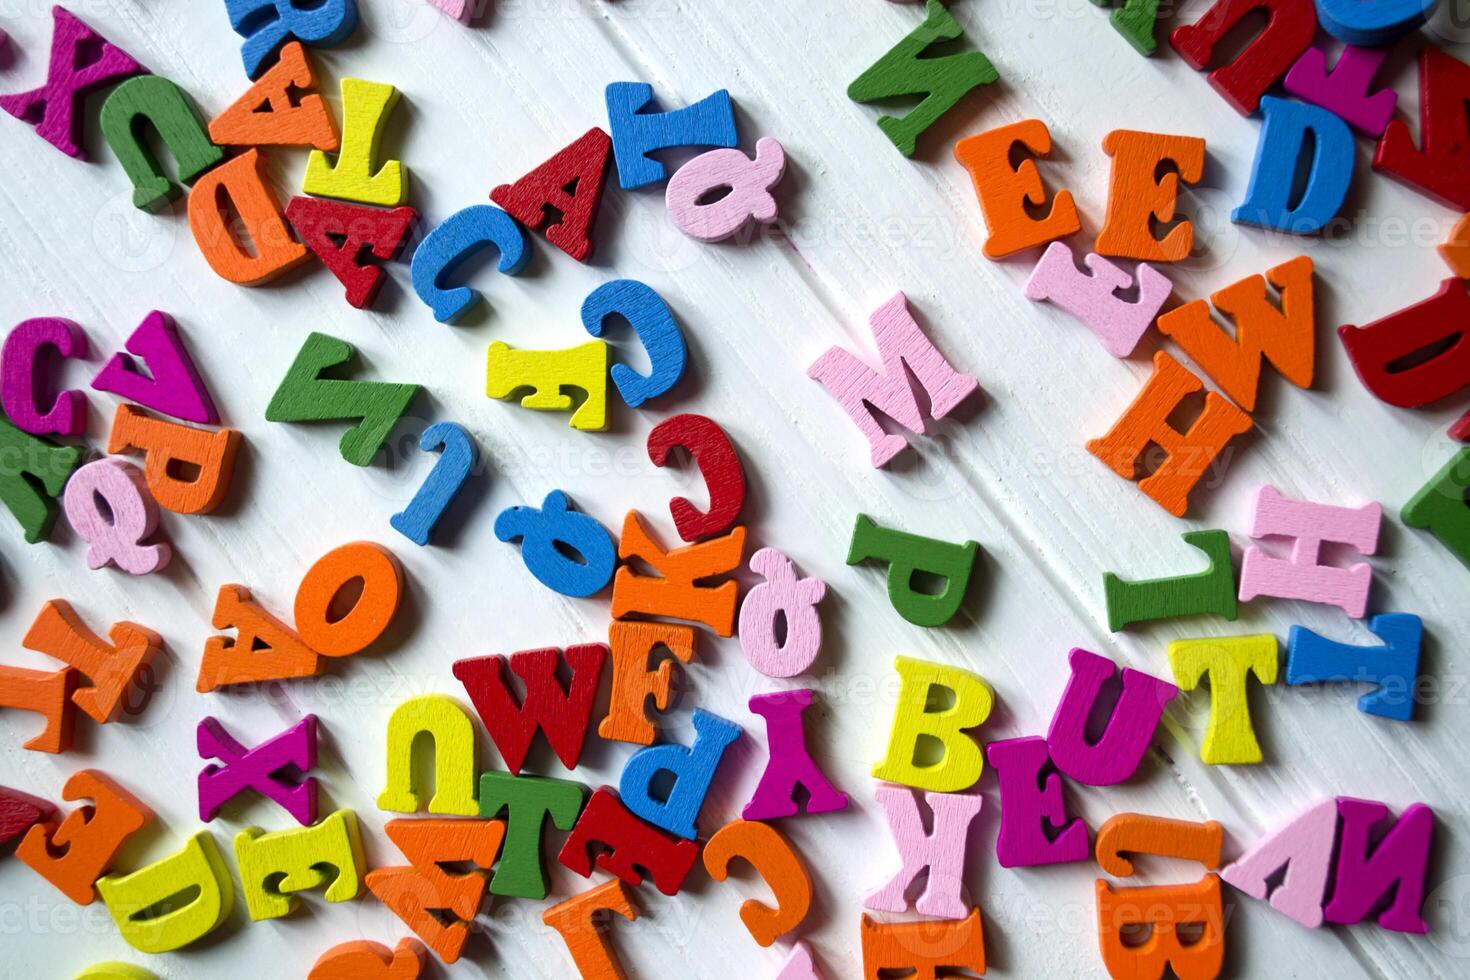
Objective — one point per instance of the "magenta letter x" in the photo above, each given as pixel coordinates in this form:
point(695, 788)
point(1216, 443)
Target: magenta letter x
point(53, 108)
point(259, 768)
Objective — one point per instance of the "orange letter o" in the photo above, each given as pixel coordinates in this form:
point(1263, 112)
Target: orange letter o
point(382, 587)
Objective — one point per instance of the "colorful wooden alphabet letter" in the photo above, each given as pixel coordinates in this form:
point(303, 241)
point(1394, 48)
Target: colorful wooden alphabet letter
point(1116, 755)
point(1442, 506)
point(172, 385)
point(1440, 166)
point(692, 769)
point(1135, 20)
point(1118, 324)
point(109, 668)
point(240, 183)
point(23, 375)
point(460, 10)
point(459, 457)
point(627, 847)
point(908, 555)
point(567, 189)
point(438, 904)
point(453, 733)
point(546, 373)
point(169, 448)
point(1299, 855)
point(343, 235)
point(905, 351)
point(960, 764)
point(1303, 576)
point(266, 115)
point(276, 768)
point(265, 650)
point(569, 552)
point(791, 600)
point(790, 764)
point(778, 864)
point(925, 950)
point(588, 941)
point(673, 590)
point(82, 62)
point(1286, 338)
point(1034, 828)
point(633, 683)
point(799, 964)
point(1174, 912)
point(1456, 248)
point(1290, 27)
point(906, 70)
point(718, 462)
point(1229, 661)
point(332, 631)
point(1371, 866)
point(1271, 200)
point(114, 970)
point(527, 802)
point(159, 101)
point(306, 396)
point(1345, 90)
point(560, 713)
point(747, 198)
point(1375, 24)
point(91, 835)
point(652, 320)
point(1138, 197)
point(363, 960)
point(268, 24)
point(48, 694)
point(637, 133)
point(1393, 668)
point(1010, 194)
point(19, 812)
point(33, 474)
point(940, 852)
point(365, 110)
point(273, 867)
point(1419, 354)
point(451, 244)
point(108, 504)
point(197, 871)
point(1211, 592)
point(1137, 833)
point(1189, 453)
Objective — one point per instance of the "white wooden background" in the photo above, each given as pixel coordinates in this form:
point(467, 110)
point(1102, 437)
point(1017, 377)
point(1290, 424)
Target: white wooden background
point(481, 105)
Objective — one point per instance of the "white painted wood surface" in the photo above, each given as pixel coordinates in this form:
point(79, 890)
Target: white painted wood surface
point(482, 104)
